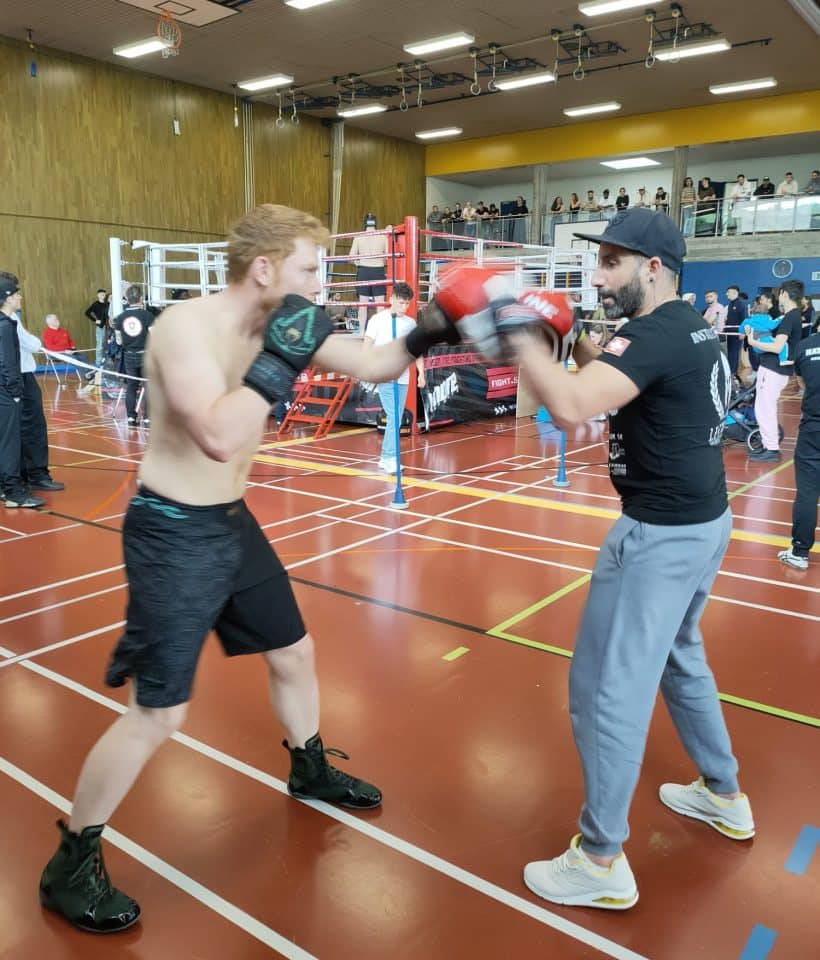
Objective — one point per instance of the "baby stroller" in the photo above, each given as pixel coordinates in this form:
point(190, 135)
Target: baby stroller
point(741, 425)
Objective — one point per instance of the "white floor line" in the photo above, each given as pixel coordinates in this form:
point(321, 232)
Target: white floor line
point(219, 905)
point(12, 657)
point(62, 603)
point(61, 583)
point(44, 533)
point(419, 854)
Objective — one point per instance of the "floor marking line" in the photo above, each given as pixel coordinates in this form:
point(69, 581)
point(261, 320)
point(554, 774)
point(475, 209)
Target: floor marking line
point(13, 658)
point(455, 654)
point(760, 942)
point(512, 900)
point(61, 583)
point(803, 850)
point(207, 897)
point(557, 595)
point(760, 479)
point(62, 603)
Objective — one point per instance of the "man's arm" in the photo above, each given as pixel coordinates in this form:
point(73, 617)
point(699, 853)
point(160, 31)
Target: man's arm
point(773, 346)
point(28, 341)
point(343, 354)
point(221, 422)
point(584, 351)
point(571, 398)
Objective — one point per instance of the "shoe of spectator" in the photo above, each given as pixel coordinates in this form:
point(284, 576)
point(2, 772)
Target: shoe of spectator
point(47, 483)
point(765, 456)
point(389, 465)
point(146, 422)
point(132, 421)
point(791, 559)
point(23, 500)
point(732, 818)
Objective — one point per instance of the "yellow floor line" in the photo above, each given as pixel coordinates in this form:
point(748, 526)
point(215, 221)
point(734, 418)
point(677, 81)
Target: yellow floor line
point(455, 654)
point(296, 441)
point(516, 618)
point(477, 493)
point(757, 480)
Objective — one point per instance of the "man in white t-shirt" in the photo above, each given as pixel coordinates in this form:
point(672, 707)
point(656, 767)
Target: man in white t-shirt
point(380, 330)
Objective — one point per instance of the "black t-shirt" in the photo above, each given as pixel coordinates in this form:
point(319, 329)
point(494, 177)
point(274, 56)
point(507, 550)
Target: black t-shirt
point(665, 457)
point(133, 324)
point(807, 364)
point(98, 312)
point(790, 325)
point(622, 202)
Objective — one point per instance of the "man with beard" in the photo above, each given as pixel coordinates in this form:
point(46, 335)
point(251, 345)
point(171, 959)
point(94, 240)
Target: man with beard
point(666, 378)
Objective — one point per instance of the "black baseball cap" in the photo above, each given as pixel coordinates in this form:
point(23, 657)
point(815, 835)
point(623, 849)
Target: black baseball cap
point(7, 289)
point(649, 232)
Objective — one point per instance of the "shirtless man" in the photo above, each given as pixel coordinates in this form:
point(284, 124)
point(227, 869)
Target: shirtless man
point(195, 557)
point(370, 252)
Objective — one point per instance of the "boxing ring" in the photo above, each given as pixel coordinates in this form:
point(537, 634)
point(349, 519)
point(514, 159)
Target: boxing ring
point(461, 385)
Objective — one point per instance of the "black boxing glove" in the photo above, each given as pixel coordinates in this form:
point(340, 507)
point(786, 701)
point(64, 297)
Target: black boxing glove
point(293, 334)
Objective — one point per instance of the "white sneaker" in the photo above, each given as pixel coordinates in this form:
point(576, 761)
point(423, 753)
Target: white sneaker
point(792, 560)
point(573, 879)
point(732, 818)
point(389, 466)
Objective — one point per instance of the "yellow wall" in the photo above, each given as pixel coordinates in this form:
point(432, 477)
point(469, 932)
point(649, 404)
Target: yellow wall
point(738, 120)
point(90, 153)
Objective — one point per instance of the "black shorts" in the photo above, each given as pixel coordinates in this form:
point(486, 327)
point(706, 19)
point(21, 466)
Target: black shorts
point(371, 290)
point(191, 570)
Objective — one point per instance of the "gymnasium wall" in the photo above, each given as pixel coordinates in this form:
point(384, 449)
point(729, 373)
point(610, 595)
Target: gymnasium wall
point(752, 276)
point(90, 153)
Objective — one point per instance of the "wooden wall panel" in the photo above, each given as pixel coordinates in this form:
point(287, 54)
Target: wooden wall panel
point(382, 176)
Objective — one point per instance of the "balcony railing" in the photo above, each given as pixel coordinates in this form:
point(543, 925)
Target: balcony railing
point(722, 218)
point(496, 229)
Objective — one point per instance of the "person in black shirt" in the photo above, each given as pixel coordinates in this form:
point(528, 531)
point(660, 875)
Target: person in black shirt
point(772, 376)
point(736, 313)
point(97, 313)
point(14, 491)
point(668, 381)
point(622, 200)
point(806, 457)
point(131, 331)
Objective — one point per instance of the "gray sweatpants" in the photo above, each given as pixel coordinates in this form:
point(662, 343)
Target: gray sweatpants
point(639, 631)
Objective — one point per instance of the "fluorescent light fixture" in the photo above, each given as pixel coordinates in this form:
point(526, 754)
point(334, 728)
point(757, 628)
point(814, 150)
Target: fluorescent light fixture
point(141, 48)
point(439, 43)
point(266, 83)
point(442, 132)
point(591, 108)
point(596, 8)
point(741, 85)
point(304, 4)
point(691, 48)
point(362, 110)
point(630, 163)
point(528, 80)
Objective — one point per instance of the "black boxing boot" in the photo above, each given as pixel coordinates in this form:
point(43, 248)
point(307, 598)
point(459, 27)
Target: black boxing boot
point(313, 778)
point(75, 884)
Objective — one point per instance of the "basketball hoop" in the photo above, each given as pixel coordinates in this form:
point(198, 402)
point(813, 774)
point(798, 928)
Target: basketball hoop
point(168, 31)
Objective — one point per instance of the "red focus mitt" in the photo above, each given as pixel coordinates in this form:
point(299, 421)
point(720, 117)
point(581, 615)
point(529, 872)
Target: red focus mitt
point(545, 312)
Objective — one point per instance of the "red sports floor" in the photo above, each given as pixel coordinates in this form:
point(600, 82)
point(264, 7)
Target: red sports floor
point(443, 636)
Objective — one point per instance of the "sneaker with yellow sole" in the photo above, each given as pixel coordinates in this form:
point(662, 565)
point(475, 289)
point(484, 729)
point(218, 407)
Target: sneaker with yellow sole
point(574, 880)
point(732, 818)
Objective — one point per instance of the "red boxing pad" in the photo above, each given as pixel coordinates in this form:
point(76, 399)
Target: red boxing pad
point(554, 309)
point(461, 290)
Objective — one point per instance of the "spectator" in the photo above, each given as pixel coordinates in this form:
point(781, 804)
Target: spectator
point(131, 331)
point(56, 338)
point(607, 206)
point(788, 186)
point(469, 211)
point(180, 293)
point(715, 313)
point(642, 199)
point(688, 199)
point(97, 313)
point(446, 218)
point(574, 206)
point(690, 298)
point(735, 315)
point(813, 186)
point(741, 189)
point(806, 317)
point(662, 200)
point(13, 489)
point(773, 375)
point(806, 458)
point(384, 326)
point(706, 194)
point(434, 218)
point(33, 428)
point(482, 211)
point(591, 202)
point(557, 206)
point(622, 200)
point(765, 188)
point(494, 214)
point(598, 335)
point(457, 212)
point(521, 209)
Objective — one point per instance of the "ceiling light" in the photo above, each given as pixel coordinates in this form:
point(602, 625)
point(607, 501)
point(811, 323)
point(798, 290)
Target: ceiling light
point(304, 4)
point(265, 83)
point(439, 43)
point(442, 132)
point(141, 48)
point(630, 163)
point(596, 8)
point(360, 110)
point(692, 48)
point(591, 108)
point(741, 85)
point(529, 80)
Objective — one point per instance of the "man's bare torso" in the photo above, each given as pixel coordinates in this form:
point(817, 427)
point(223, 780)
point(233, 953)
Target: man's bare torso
point(203, 334)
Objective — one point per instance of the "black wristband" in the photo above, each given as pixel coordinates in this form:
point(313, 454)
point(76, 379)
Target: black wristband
point(419, 341)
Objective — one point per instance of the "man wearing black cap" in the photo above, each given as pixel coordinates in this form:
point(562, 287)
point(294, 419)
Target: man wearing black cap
point(765, 188)
point(13, 488)
point(668, 382)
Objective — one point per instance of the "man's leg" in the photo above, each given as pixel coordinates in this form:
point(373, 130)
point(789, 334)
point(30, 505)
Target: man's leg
point(99, 343)
point(131, 386)
point(769, 386)
point(294, 689)
point(34, 433)
point(807, 476)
